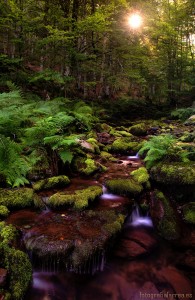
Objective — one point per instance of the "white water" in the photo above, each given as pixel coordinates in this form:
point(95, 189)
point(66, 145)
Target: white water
point(137, 219)
point(109, 196)
point(133, 157)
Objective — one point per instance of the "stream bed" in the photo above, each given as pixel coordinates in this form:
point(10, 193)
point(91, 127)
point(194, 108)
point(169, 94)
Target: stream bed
point(138, 264)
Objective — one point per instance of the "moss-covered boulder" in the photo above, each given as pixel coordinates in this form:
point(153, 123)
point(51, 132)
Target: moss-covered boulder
point(139, 129)
point(87, 166)
point(73, 239)
point(18, 198)
point(79, 199)
point(120, 133)
point(124, 186)
point(126, 145)
point(15, 262)
point(164, 216)
point(142, 176)
point(177, 173)
point(51, 183)
point(4, 211)
point(189, 212)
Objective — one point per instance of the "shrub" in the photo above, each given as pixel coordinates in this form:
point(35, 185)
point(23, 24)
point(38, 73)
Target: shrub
point(183, 113)
point(162, 148)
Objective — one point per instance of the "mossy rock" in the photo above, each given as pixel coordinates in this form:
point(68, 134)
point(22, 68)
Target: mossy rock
point(111, 224)
point(139, 129)
point(94, 143)
point(15, 262)
point(189, 212)
point(4, 211)
point(166, 223)
point(187, 137)
point(51, 183)
point(120, 133)
point(141, 176)
point(79, 199)
point(124, 186)
point(18, 198)
point(174, 173)
point(87, 166)
point(125, 145)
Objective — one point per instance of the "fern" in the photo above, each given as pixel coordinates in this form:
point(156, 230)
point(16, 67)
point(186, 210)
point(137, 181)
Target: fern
point(13, 166)
point(162, 148)
point(183, 113)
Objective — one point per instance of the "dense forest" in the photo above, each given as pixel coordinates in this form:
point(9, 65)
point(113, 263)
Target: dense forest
point(97, 156)
point(86, 49)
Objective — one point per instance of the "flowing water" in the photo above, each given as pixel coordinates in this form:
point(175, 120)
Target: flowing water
point(139, 264)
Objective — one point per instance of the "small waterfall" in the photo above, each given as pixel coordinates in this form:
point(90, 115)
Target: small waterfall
point(137, 219)
point(109, 196)
point(133, 157)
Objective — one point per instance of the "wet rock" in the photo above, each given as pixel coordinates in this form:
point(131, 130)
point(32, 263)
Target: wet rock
point(136, 242)
point(176, 279)
point(164, 216)
point(69, 240)
point(3, 277)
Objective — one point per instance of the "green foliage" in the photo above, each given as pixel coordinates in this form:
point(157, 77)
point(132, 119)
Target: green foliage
point(183, 113)
point(162, 148)
point(13, 166)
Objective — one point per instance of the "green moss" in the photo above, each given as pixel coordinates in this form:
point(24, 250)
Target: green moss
point(4, 211)
point(139, 129)
point(17, 198)
point(189, 212)
point(94, 143)
point(79, 199)
point(174, 173)
point(167, 226)
point(91, 167)
point(20, 271)
point(140, 175)
point(124, 145)
point(124, 186)
point(8, 233)
point(50, 183)
point(114, 226)
point(15, 262)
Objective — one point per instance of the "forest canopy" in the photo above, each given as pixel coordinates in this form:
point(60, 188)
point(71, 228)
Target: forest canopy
point(86, 49)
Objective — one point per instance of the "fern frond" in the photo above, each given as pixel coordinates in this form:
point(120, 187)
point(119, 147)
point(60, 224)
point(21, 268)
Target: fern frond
point(66, 156)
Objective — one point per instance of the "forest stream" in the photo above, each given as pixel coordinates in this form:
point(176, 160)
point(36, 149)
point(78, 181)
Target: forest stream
point(137, 264)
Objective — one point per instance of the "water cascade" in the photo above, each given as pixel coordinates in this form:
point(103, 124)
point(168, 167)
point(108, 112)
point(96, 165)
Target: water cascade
point(138, 219)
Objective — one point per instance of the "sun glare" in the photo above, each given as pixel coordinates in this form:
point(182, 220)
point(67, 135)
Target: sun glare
point(135, 21)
